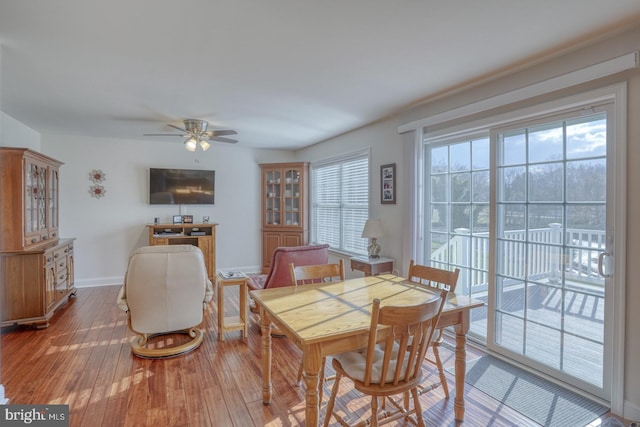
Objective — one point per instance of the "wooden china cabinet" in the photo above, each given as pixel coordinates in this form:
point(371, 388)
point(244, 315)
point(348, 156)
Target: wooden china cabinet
point(36, 266)
point(284, 207)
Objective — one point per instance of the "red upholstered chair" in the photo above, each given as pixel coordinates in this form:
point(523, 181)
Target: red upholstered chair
point(279, 273)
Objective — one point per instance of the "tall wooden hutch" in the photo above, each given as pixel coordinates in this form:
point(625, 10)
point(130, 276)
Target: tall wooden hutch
point(36, 266)
point(285, 217)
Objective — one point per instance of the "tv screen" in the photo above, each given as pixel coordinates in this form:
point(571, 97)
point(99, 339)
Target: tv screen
point(181, 186)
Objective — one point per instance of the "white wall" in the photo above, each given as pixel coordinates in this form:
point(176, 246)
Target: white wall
point(15, 134)
point(109, 228)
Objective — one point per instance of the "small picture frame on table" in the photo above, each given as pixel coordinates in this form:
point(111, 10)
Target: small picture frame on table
point(187, 219)
point(177, 219)
point(388, 184)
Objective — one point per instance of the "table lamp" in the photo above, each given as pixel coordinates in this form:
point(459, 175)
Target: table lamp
point(373, 230)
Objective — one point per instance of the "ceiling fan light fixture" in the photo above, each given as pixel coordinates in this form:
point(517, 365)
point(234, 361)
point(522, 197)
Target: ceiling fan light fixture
point(195, 133)
point(190, 144)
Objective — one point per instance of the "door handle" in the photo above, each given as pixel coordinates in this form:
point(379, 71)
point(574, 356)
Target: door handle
point(601, 259)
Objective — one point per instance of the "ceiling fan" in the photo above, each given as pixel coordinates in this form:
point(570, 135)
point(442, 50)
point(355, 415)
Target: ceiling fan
point(196, 133)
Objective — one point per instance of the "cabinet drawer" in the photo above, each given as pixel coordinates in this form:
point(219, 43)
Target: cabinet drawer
point(61, 264)
point(60, 254)
point(360, 266)
point(60, 291)
point(32, 239)
point(61, 279)
point(48, 258)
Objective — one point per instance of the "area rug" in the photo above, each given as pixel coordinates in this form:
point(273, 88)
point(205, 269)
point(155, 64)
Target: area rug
point(612, 422)
point(536, 398)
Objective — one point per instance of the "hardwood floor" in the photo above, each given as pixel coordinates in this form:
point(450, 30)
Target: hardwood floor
point(83, 359)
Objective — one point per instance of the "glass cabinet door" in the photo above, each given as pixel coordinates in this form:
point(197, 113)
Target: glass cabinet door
point(35, 207)
point(274, 197)
point(292, 196)
point(30, 202)
point(53, 199)
point(42, 205)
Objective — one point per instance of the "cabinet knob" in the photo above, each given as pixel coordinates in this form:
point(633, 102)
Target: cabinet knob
point(34, 240)
point(56, 255)
point(45, 237)
point(54, 234)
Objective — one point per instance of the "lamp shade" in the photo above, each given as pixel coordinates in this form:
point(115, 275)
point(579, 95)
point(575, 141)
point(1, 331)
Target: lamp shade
point(190, 144)
point(373, 229)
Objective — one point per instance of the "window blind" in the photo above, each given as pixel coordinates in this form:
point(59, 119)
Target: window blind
point(340, 203)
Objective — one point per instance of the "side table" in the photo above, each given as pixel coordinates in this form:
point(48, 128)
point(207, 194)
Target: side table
point(372, 267)
point(232, 323)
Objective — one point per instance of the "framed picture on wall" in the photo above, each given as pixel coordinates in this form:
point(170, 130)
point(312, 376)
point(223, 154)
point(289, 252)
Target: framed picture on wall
point(177, 219)
point(388, 184)
point(187, 219)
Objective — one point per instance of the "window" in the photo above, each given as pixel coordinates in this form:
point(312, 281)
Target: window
point(340, 202)
point(458, 206)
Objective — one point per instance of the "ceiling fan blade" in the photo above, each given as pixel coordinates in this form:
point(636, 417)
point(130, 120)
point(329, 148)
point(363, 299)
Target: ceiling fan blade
point(222, 132)
point(222, 139)
point(176, 127)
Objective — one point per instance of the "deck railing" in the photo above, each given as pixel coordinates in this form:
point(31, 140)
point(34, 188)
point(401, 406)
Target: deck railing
point(542, 259)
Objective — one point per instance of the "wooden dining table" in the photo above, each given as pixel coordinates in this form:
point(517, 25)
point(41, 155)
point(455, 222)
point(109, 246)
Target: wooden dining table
point(330, 318)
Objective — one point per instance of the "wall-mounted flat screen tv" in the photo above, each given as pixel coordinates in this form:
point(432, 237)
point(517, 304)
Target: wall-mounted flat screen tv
point(181, 186)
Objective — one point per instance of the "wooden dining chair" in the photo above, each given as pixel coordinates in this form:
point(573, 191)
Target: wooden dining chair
point(437, 279)
point(391, 364)
point(306, 274)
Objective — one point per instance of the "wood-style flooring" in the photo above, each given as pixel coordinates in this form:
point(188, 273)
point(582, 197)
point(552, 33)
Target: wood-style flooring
point(83, 359)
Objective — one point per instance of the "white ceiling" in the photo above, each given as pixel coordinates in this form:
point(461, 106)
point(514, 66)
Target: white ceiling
point(283, 73)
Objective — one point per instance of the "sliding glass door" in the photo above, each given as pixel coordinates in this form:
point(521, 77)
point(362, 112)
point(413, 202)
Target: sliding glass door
point(523, 211)
point(551, 246)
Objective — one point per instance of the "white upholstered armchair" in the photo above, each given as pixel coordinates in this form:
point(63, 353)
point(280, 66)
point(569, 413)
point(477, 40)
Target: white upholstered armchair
point(165, 291)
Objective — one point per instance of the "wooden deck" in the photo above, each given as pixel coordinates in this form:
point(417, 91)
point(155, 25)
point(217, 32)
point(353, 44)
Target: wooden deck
point(83, 359)
point(578, 351)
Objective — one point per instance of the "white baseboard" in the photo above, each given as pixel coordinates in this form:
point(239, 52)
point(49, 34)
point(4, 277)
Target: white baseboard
point(631, 411)
point(99, 281)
